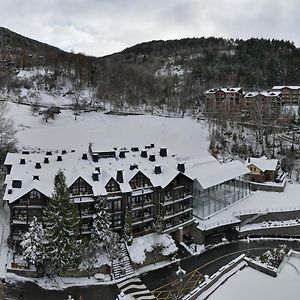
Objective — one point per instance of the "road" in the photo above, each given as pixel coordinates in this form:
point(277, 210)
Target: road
point(207, 263)
point(210, 261)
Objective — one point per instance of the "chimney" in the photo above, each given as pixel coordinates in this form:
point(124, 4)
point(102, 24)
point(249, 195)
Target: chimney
point(64, 152)
point(181, 167)
point(248, 159)
point(36, 177)
point(9, 191)
point(133, 166)
point(163, 152)
point(120, 176)
point(95, 157)
point(122, 154)
point(46, 160)
point(48, 153)
point(152, 145)
point(22, 161)
point(157, 170)
point(144, 153)
point(37, 165)
point(97, 169)
point(59, 158)
point(84, 156)
point(152, 157)
point(134, 149)
point(95, 176)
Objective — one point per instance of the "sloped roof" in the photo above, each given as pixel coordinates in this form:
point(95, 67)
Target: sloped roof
point(291, 87)
point(225, 90)
point(263, 163)
point(206, 170)
point(214, 173)
point(264, 93)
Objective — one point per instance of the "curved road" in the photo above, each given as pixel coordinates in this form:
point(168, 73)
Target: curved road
point(207, 263)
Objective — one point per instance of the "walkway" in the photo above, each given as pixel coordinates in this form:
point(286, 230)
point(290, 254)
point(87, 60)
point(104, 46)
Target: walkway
point(135, 288)
point(122, 266)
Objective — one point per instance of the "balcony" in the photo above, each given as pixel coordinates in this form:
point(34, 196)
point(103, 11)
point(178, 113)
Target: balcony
point(178, 212)
point(143, 219)
point(141, 205)
point(86, 214)
point(19, 219)
point(168, 200)
point(86, 229)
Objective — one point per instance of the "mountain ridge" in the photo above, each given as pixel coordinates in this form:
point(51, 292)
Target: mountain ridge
point(172, 72)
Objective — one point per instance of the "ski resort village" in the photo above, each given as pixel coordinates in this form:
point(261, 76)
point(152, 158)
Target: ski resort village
point(169, 170)
point(105, 200)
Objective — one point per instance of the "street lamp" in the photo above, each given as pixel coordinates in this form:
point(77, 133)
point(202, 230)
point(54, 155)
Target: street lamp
point(180, 273)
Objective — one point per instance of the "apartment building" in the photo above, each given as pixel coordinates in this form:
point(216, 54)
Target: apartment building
point(224, 100)
point(147, 182)
point(262, 105)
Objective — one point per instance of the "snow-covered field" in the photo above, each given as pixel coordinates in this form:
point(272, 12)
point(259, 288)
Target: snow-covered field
point(184, 136)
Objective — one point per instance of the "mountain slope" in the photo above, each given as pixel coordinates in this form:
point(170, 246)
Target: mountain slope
point(173, 73)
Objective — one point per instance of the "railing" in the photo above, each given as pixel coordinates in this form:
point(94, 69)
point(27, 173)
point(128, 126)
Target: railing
point(178, 198)
point(87, 213)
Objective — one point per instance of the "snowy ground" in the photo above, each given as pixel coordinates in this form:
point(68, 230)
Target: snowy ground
point(148, 243)
point(251, 284)
point(182, 136)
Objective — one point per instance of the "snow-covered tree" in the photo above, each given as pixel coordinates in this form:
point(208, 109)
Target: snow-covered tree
point(33, 244)
point(128, 227)
point(101, 222)
point(61, 219)
point(112, 246)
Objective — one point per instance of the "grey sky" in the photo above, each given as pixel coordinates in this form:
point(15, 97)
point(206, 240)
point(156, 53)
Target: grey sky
point(100, 27)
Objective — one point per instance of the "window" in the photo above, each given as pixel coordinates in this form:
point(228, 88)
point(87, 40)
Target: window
point(80, 187)
point(117, 205)
point(34, 194)
point(117, 220)
point(112, 186)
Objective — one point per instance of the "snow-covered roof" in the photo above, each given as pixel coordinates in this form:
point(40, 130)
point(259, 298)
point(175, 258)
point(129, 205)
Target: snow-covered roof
point(74, 166)
point(212, 173)
point(263, 163)
point(225, 90)
point(207, 170)
point(291, 87)
point(265, 94)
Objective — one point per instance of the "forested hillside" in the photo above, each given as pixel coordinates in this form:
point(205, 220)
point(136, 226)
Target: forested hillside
point(174, 72)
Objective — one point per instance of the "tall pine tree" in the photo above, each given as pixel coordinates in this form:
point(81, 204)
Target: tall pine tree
point(62, 224)
point(101, 222)
point(128, 228)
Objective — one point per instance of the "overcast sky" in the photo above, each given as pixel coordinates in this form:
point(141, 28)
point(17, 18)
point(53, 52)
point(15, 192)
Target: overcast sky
point(100, 27)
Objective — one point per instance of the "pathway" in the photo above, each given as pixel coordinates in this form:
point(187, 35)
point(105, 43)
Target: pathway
point(135, 288)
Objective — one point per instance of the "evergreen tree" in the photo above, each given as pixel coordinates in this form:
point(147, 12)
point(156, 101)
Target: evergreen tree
point(113, 246)
point(33, 244)
point(61, 219)
point(101, 222)
point(128, 228)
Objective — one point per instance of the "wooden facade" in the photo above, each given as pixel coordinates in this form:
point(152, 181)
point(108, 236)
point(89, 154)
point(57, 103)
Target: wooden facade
point(224, 101)
point(262, 105)
point(148, 205)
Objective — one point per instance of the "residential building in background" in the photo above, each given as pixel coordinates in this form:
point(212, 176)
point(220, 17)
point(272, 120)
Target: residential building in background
point(224, 100)
point(262, 105)
point(290, 94)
